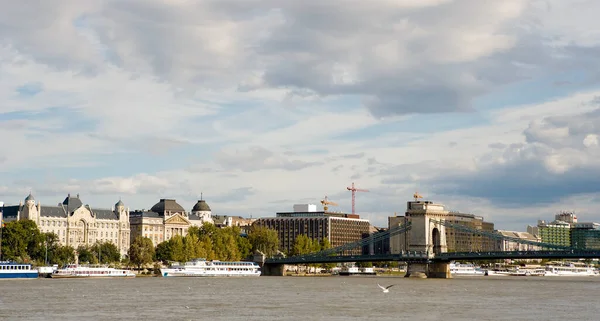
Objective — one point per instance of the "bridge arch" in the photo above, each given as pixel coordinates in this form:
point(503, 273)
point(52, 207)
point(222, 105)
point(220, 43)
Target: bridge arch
point(436, 241)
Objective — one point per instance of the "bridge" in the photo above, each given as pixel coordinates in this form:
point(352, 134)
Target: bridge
point(421, 241)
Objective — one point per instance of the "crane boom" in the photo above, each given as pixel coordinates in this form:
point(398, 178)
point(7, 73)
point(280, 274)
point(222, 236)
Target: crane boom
point(354, 190)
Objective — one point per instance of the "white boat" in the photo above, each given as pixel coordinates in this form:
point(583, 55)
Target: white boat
point(570, 270)
point(204, 268)
point(12, 270)
point(466, 269)
point(77, 271)
point(353, 270)
point(528, 272)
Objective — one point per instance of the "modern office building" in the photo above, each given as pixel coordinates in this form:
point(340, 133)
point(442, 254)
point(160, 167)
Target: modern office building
point(585, 235)
point(338, 228)
point(555, 232)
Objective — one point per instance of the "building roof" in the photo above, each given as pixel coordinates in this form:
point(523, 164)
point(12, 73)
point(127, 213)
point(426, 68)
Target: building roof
point(201, 206)
point(120, 203)
point(10, 212)
point(167, 205)
point(72, 202)
point(29, 198)
point(143, 213)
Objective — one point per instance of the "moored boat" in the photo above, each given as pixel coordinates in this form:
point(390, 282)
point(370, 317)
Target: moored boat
point(12, 270)
point(571, 270)
point(203, 268)
point(77, 271)
point(459, 269)
point(528, 272)
point(353, 270)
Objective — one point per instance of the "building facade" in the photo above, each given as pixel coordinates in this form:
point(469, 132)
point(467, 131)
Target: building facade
point(510, 245)
point(337, 228)
point(555, 232)
point(461, 241)
point(74, 223)
point(585, 236)
point(167, 218)
point(456, 240)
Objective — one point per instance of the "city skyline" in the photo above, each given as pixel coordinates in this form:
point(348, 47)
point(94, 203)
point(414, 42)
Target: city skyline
point(490, 108)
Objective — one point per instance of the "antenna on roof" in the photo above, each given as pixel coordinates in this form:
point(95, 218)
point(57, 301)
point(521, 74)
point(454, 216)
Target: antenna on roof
point(200, 195)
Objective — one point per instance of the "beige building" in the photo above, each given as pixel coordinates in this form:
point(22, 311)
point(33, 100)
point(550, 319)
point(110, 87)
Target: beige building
point(74, 223)
point(456, 240)
point(167, 218)
point(510, 245)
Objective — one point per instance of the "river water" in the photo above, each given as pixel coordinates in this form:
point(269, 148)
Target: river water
point(302, 298)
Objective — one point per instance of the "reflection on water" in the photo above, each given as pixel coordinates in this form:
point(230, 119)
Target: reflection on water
point(306, 298)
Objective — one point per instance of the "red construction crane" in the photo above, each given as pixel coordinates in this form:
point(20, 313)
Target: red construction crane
point(354, 190)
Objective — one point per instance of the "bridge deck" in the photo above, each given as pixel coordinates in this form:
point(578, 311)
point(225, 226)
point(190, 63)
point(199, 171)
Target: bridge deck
point(423, 257)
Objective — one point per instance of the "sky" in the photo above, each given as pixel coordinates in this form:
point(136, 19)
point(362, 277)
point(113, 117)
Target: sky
point(488, 107)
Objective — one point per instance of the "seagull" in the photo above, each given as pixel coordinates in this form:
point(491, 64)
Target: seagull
point(385, 289)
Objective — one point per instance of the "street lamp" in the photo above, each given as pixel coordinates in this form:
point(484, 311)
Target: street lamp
point(46, 241)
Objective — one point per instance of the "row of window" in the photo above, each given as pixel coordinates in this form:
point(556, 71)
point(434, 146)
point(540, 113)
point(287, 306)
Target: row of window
point(63, 223)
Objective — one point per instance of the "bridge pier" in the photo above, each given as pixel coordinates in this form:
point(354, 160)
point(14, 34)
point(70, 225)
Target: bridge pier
point(437, 270)
point(272, 270)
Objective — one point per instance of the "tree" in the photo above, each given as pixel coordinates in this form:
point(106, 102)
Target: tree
point(107, 252)
point(264, 240)
point(20, 240)
point(63, 255)
point(85, 254)
point(141, 251)
point(325, 244)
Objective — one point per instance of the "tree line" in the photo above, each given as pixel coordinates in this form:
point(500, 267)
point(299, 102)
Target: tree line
point(22, 241)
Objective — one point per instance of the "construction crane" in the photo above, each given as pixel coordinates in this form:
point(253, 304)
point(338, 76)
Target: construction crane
point(354, 190)
point(416, 196)
point(326, 202)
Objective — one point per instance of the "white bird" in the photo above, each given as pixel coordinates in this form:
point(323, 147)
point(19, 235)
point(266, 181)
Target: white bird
point(385, 289)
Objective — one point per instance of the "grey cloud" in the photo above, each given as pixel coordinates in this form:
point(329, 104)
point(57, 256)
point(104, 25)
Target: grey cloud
point(497, 145)
point(552, 165)
point(398, 58)
point(257, 158)
point(236, 195)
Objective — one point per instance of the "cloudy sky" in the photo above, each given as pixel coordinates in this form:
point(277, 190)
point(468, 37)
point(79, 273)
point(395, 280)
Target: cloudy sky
point(490, 107)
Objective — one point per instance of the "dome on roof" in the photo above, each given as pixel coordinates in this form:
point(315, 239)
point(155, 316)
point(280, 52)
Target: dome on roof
point(120, 203)
point(201, 206)
point(29, 198)
point(166, 205)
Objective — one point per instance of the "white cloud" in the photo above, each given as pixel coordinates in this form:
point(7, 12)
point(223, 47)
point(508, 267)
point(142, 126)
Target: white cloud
point(258, 101)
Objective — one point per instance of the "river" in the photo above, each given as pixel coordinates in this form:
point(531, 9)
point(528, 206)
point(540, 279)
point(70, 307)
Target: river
point(302, 298)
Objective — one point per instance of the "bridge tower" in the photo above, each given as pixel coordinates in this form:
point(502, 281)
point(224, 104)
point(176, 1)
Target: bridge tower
point(426, 235)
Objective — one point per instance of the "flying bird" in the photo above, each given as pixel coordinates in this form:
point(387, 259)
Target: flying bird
point(385, 289)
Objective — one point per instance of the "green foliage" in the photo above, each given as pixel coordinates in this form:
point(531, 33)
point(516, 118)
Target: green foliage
point(20, 239)
point(264, 240)
point(105, 252)
point(86, 255)
point(141, 251)
point(63, 255)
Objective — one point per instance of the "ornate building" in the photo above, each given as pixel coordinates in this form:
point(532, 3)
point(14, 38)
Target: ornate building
point(75, 223)
point(167, 218)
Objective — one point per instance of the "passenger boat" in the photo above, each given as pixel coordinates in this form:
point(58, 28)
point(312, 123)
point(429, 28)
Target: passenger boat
point(204, 268)
point(528, 272)
point(570, 270)
point(466, 270)
point(353, 270)
point(77, 271)
point(12, 270)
